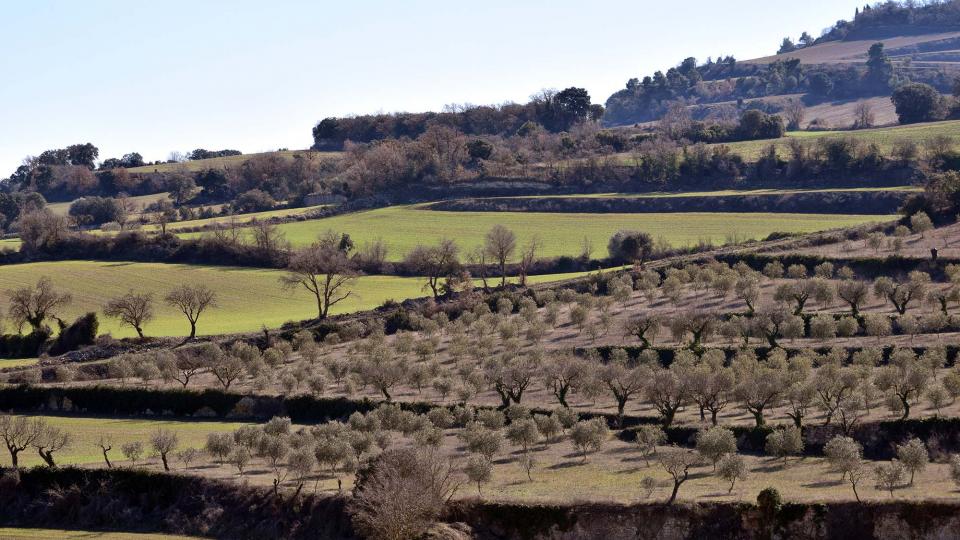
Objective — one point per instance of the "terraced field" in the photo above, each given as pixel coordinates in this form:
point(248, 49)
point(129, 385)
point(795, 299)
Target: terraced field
point(239, 218)
point(882, 137)
point(86, 432)
point(62, 208)
point(7, 533)
point(403, 227)
point(718, 193)
point(239, 310)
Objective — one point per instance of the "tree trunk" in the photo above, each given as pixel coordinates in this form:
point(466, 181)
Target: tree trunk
point(676, 488)
point(47, 457)
point(106, 459)
point(193, 329)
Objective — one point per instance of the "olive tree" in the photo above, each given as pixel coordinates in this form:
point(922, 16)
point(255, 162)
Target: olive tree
point(843, 454)
point(900, 295)
point(914, 456)
point(678, 463)
point(732, 467)
point(715, 442)
point(588, 436)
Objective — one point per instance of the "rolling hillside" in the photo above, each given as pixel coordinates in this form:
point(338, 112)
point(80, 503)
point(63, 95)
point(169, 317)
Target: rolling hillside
point(899, 47)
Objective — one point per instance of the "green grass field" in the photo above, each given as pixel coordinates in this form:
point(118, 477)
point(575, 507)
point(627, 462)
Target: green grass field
point(240, 218)
point(139, 202)
point(63, 534)
point(10, 243)
point(221, 163)
point(882, 137)
point(403, 227)
point(248, 298)
point(18, 362)
point(86, 431)
point(719, 193)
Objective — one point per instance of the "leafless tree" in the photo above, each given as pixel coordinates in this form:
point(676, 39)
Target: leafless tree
point(435, 263)
point(19, 433)
point(500, 244)
point(33, 305)
point(40, 229)
point(528, 256)
point(402, 493)
point(51, 439)
point(192, 301)
point(795, 113)
point(105, 442)
point(163, 442)
point(863, 116)
point(133, 309)
point(325, 270)
point(269, 239)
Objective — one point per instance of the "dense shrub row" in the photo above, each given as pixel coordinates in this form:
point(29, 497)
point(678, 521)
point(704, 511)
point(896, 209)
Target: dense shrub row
point(22, 346)
point(847, 520)
point(140, 501)
point(152, 502)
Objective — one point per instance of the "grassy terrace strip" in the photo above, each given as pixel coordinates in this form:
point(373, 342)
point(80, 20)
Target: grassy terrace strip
point(138, 202)
point(226, 162)
point(239, 218)
point(403, 227)
point(86, 431)
point(248, 298)
point(11, 533)
point(882, 137)
point(717, 193)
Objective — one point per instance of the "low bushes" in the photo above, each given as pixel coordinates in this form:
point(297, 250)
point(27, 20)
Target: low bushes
point(136, 500)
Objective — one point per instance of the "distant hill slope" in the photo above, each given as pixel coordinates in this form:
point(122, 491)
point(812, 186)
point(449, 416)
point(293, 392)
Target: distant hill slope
point(899, 46)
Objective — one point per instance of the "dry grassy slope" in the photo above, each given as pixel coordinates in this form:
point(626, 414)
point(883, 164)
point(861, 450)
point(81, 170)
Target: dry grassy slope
point(841, 52)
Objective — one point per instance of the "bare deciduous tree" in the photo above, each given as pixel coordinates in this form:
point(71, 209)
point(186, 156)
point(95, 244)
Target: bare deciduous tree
point(163, 442)
point(499, 245)
point(133, 309)
point(33, 305)
point(402, 493)
point(435, 263)
point(325, 270)
point(528, 256)
point(18, 433)
point(51, 439)
point(192, 301)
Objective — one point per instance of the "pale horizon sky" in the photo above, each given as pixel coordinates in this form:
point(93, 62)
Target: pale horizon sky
point(256, 76)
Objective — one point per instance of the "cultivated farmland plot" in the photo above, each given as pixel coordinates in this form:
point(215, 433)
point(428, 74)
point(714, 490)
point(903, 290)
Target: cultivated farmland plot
point(404, 227)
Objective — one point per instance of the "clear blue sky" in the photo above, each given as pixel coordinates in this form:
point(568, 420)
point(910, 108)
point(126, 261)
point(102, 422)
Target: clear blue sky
point(154, 77)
